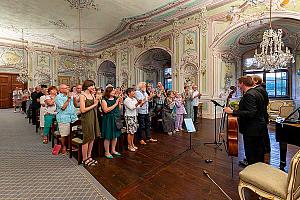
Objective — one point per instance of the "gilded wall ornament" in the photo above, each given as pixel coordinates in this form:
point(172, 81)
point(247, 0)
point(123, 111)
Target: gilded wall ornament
point(124, 58)
point(202, 20)
point(106, 54)
point(11, 56)
point(43, 60)
point(230, 55)
point(150, 40)
point(203, 67)
point(189, 56)
point(190, 42)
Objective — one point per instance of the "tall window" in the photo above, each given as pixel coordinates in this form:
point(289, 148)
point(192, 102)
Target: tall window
point(277, 83)
point(168, 78)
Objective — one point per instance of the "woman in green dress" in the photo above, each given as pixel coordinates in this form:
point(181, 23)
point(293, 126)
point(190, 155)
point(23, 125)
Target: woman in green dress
point(111, 107)
point(89, 121)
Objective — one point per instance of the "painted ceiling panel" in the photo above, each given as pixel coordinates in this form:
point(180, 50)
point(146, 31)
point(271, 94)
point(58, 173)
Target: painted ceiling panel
point(54, 19)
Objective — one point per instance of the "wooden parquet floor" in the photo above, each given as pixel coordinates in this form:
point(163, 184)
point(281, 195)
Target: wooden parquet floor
point(170, 170)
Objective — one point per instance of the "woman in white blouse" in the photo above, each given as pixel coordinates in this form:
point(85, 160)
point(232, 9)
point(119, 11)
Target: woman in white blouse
point(131, 105)
point(43, 109)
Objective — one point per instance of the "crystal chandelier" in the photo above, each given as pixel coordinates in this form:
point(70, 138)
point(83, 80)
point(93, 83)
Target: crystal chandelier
point(272, 56)
point(80, 4)
point(22, 68)
point(23, 73)
point(79, 66)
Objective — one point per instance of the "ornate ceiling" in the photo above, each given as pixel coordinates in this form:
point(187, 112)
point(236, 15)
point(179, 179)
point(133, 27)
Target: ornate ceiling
point(246, 38)
point(55, 22)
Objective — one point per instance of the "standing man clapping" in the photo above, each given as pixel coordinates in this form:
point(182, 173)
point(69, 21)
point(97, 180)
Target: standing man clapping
point(143, 114)
point(66, 113)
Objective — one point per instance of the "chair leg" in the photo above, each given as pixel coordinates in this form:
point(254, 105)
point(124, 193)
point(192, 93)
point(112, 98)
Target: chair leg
point(79, 154)
point(101, 147)
point(52, 140)
point(70, 145)
point(49, 135)
point(241, 192)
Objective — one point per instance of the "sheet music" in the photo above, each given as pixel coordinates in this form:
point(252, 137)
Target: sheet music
point(189, 125)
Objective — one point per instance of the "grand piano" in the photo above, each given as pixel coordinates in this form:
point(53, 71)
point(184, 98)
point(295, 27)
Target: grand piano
point(288, 132)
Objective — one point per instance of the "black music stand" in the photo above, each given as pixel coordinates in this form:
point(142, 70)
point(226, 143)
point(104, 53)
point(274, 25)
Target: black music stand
point(215, 142)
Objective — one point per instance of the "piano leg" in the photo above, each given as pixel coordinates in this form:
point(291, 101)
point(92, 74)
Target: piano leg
point(283, 150)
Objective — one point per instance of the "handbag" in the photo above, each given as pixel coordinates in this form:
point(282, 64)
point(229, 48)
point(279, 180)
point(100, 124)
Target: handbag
point(119, 123)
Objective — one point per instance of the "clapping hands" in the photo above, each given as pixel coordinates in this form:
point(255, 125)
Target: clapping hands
point(119, 100)
point(96, 101)
point(141, 102)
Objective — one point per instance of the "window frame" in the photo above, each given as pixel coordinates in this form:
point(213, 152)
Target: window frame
point(264, 72)
point(166, 78)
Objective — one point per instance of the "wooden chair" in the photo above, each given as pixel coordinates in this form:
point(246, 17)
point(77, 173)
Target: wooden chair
point(37, 125)
point(98, 148)
point(270, 182)
point(122, 140)
point(75, 141)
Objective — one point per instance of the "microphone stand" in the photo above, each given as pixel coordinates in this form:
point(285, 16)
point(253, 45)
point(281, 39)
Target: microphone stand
point(215, 142)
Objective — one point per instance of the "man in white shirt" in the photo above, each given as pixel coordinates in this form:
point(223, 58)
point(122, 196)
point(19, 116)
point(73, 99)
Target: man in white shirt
point(195, 102)
point(143, 114)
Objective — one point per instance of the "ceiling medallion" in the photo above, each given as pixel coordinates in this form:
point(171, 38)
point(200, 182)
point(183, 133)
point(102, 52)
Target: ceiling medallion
point(82, 4)
point(272, 56)
point(59, 23)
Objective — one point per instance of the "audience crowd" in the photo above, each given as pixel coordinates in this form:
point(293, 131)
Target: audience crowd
point(103, 111)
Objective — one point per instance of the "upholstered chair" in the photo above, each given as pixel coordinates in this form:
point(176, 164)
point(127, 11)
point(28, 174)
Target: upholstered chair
point(274, 109)
point(270, 182)
point(285, 111)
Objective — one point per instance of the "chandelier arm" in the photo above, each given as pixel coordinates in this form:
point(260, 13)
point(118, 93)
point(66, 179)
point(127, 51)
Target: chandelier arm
point(270, 14)
point(79, 10)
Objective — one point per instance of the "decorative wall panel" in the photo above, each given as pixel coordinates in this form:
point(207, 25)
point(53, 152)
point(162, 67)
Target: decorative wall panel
point(11, 59)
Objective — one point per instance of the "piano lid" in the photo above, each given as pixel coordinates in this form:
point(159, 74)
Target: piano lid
point(295, 116)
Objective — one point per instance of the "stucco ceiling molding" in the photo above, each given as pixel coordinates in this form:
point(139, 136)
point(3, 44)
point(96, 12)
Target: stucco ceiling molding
point(137, 21)
point(157, 19)
point(230, 55)
point(150, 40)
point(240, 13)
point(255, 36)
point(107, 55)
point(236, 29)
